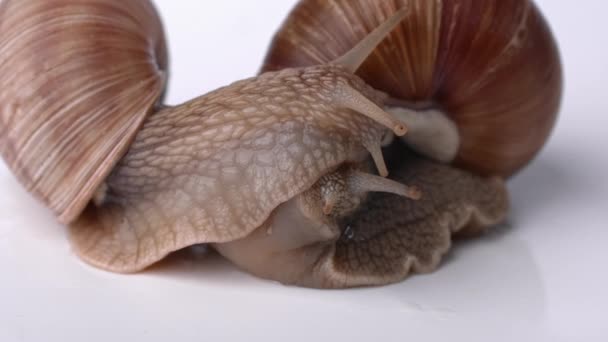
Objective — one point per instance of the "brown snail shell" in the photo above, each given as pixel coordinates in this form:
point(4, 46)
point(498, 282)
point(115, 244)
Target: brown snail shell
point(78, 79)
point(491, 65)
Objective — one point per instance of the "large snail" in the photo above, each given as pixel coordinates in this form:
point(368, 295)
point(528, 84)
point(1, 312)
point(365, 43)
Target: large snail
point(278, 172)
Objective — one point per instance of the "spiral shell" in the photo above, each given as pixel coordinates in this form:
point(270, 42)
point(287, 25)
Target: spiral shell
point(491, 65)
point(77, 79)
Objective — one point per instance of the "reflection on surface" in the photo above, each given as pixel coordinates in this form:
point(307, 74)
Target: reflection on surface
point(492, 276)
point(19, 210)
point(547, 182)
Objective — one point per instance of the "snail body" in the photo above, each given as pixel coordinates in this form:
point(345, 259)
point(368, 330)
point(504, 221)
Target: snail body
point(276, 172)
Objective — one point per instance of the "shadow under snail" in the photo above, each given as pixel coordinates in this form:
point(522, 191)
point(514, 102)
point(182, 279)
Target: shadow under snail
point(285, 174)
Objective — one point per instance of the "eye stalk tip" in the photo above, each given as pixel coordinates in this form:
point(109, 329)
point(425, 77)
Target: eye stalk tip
point(400, 130)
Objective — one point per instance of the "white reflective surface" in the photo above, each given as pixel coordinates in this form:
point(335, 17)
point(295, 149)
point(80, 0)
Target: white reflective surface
point(541, 277)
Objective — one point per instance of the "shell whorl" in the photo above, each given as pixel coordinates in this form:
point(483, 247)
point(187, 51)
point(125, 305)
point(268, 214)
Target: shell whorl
point(491, 65)
point(77, 79)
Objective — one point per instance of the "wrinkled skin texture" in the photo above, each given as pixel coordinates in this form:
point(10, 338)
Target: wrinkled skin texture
point(234, 169)
point(385, 240)
point(214, 169)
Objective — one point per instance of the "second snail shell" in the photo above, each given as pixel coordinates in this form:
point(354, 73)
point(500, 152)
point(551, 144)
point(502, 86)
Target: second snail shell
point(491, 66)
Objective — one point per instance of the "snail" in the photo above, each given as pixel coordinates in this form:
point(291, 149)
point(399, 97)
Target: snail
point(285, 173)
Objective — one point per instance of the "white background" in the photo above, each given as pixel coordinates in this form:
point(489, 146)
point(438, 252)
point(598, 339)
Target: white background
point(543, 277)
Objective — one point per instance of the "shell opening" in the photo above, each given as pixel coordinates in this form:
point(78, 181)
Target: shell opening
point(432, 133)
